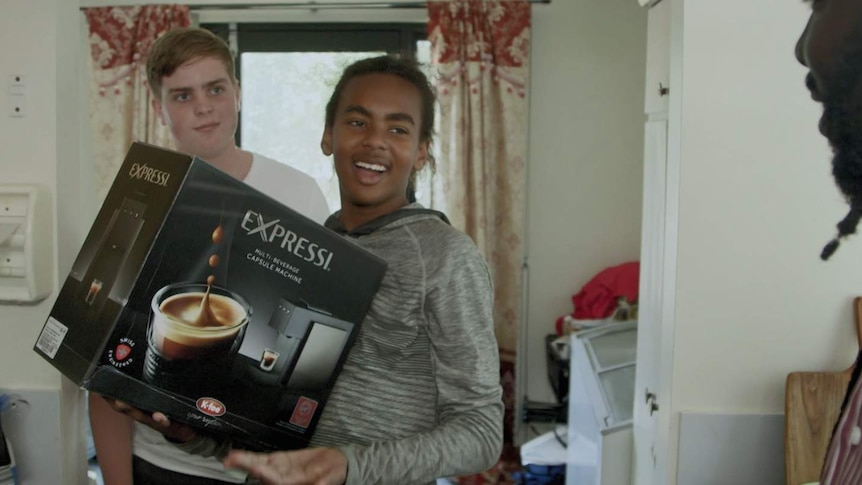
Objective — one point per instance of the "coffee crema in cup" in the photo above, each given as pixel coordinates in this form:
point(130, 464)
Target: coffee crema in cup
point(186, 329)
point(193, 322)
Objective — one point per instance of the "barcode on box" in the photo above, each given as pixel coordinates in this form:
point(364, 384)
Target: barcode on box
point(52, 337)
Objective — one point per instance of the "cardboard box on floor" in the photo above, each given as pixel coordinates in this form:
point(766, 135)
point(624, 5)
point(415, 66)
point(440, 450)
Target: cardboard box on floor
point(200, 297)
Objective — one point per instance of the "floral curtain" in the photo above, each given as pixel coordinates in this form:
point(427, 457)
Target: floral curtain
point(480, 57)
point(120, 111)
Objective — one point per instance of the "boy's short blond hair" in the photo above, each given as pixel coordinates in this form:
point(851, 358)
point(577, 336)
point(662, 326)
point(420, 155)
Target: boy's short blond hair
point(176, 47)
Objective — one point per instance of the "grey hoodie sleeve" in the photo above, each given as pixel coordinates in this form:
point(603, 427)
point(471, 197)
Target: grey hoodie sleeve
point(464, 352)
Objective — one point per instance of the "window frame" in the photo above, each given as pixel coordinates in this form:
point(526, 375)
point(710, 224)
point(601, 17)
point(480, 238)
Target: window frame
point(394, 38)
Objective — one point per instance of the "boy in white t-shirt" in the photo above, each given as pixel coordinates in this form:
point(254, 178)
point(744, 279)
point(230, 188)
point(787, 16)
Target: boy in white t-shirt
point(196, 94)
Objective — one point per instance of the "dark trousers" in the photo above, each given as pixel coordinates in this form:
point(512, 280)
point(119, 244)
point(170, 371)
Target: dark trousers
point(145, 473)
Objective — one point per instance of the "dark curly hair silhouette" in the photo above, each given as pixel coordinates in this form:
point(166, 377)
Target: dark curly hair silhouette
point(842, 120)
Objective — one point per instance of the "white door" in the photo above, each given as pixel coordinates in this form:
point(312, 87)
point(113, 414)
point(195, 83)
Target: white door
point(648, 389)
point(651, 418)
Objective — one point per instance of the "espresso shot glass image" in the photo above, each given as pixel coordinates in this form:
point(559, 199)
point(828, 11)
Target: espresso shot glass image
point(194, 336)
point(268, 359)
point(95, 288)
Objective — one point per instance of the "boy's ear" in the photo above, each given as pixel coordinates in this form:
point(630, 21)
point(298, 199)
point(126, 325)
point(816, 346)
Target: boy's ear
point(157, 107)
point(238, 97)
point(326, 142)
point(422, 155)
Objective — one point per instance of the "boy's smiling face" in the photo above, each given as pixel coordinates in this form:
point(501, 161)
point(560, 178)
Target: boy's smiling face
point(374, 140)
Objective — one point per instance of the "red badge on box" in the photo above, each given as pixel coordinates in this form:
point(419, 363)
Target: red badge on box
point(303, 412)
point(121, 352)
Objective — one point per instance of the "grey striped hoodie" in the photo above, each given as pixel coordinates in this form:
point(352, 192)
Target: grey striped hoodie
point(419, 396)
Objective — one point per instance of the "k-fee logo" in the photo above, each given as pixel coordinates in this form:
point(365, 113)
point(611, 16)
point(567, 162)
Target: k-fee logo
point(122, 352)
point(211, 406)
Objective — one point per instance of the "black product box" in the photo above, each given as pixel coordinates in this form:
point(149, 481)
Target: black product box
point(201, 297)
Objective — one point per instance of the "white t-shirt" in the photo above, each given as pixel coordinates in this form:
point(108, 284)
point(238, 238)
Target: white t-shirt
point(291, 187)
point(301, 193)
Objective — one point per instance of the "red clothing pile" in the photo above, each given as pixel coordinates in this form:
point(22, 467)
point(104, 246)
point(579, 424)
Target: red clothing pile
point(598, 298)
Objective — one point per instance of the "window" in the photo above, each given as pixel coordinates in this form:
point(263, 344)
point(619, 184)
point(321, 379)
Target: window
point(287, 72)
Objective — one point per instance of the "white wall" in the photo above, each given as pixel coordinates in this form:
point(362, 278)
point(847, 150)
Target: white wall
point(39, 39)
point(29, 152)
point(757, 204)
point(586, 156)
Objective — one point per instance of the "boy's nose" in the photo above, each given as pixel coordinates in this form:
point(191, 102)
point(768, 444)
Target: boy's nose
point(799, 51)
point(203, 108)
point(375, 138)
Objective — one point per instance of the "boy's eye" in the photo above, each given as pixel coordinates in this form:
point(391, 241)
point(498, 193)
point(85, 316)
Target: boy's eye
point(399, 130)
point(355, 123)
point(217, 89)
point(182, 97)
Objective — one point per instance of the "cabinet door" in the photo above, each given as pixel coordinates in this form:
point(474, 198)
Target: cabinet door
point(658, 59)
point(587, 416)
point(614, 364)
point(650, 300)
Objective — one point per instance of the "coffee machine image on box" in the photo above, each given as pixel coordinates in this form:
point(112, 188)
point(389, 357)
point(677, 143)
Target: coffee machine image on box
point(111, 254)
point(307, 348)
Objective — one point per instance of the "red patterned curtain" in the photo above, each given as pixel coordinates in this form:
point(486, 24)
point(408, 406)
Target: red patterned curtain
point(480, 55)
point(120, 111)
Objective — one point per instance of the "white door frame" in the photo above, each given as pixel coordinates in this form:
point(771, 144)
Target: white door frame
point(664, 464)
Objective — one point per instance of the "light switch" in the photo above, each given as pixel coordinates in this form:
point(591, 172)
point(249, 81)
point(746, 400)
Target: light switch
point(8, 230)
point(26, 247)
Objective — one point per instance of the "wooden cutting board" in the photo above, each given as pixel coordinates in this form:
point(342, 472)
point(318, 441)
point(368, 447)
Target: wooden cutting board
point(812, 404)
